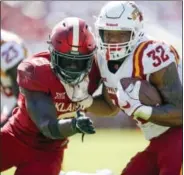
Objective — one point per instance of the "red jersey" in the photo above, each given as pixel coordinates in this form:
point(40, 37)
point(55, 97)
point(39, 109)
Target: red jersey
point(35, 74)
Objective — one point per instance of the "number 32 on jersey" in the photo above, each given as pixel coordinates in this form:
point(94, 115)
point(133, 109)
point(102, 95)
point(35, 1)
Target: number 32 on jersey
point(152, 56)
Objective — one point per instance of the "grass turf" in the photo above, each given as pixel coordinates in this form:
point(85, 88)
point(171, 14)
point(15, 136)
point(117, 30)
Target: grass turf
point(108, 148)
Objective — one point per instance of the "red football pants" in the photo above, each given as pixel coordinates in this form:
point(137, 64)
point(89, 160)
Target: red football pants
point(163, 156)
point(28, 161)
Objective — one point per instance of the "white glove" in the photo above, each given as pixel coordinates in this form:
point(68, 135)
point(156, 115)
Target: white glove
point(128, 99)
point(129, 102)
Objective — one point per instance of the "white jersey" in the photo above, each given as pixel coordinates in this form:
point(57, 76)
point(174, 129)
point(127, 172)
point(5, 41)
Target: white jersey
point(12, 52)
point(149, 56)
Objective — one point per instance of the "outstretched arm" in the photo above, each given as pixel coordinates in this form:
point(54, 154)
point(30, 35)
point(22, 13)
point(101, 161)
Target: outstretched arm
point(43, 113)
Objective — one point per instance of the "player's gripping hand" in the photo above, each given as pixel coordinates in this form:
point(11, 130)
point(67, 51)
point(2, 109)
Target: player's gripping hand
point(128, 99)
point(83, 124)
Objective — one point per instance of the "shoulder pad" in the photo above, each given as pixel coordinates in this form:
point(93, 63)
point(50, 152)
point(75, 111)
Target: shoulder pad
point(151, 56)
point(31, 73)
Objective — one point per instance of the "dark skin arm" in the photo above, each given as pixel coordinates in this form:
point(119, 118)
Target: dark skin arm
point(170, 88)
point(43, 113)
point(102, 105)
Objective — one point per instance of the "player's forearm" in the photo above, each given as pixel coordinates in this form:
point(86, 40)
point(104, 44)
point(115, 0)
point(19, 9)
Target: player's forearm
point(47, 121)
point(101, 107)
point(43, 113)
point(169, 86)
point(165, 115)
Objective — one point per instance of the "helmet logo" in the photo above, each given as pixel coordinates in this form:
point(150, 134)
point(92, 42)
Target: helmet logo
point(136, 13)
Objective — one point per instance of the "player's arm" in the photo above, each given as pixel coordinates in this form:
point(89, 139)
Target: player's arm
point(43, 113)
point(102, 105)
point(41, 108)
point(169, 85)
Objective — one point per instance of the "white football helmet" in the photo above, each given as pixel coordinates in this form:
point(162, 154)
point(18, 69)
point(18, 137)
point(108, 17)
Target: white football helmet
point(119, 16)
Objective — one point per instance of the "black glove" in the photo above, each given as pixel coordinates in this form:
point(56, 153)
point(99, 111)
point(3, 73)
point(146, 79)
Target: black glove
point(83, 124)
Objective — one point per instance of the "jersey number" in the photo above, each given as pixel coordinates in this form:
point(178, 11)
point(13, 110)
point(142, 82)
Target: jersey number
point(158, 55)
point(10, 54)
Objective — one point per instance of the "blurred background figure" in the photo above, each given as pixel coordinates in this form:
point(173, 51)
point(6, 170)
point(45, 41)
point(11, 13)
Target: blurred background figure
point(13, 51)
point(33, 20)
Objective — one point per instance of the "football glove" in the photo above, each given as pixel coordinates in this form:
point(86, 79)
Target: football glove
point(128, 99)
point(83, 124)
point(129, 102)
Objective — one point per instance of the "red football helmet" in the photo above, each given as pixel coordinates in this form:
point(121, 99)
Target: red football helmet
point(72, 48)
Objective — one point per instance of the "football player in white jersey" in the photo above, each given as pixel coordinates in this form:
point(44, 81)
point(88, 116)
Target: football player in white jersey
point(124, 50)
point(13, 51)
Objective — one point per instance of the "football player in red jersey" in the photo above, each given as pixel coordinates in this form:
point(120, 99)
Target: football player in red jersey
point(55, 88)
point(125, 51)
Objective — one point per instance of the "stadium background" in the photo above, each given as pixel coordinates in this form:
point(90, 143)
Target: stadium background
point(117, 138)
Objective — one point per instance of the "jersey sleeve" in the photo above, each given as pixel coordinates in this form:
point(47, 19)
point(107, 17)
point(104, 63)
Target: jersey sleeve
point(11, 54)
point(31, 77)
point(151, 56)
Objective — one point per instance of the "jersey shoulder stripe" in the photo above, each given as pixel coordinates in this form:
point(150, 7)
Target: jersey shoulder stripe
point(138, 68)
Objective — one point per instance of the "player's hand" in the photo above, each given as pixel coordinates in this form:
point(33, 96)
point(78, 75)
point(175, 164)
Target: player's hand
point(128, 99)
point(83, 124)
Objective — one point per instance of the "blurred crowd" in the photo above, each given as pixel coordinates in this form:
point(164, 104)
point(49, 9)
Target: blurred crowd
point(33, 20)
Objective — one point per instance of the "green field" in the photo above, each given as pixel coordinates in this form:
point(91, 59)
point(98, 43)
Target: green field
point(110, 149)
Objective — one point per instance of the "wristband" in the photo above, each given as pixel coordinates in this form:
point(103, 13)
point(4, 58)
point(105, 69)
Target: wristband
point(143, 112)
